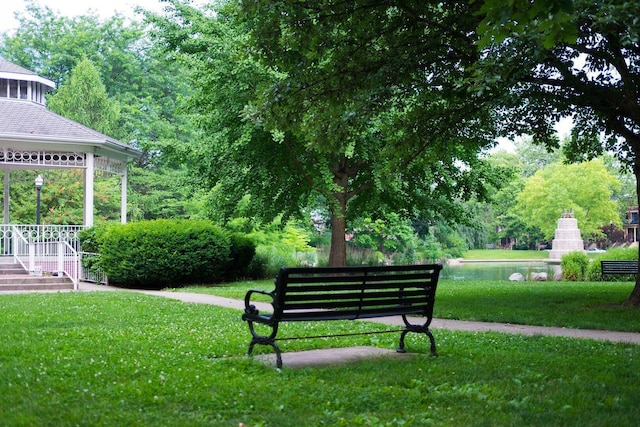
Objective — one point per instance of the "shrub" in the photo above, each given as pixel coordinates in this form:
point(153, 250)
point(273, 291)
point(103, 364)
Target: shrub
point(278, 246)
point(160, 253)
point(242, 252)
point(574, 266)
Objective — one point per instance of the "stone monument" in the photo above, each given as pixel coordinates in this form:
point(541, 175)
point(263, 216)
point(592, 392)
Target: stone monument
point(567, 238)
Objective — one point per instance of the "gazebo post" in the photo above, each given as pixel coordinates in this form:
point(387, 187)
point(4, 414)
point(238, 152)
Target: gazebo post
point(123, 195)
point(88, 190)
point(6, 196)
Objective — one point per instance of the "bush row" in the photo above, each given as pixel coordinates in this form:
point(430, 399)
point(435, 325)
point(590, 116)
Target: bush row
point(577, 266)
point(168, 253)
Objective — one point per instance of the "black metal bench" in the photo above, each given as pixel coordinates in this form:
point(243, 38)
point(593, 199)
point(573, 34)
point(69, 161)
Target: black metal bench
point(345, 293)
point(618, 267)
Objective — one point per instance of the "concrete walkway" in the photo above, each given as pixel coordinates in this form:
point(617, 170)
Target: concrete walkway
point(454, 325)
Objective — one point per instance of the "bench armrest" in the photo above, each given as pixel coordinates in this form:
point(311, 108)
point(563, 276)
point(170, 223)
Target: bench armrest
point(250, 308)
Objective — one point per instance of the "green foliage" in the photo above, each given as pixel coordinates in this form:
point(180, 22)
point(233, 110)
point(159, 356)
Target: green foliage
point(553, 20)
point(163, 192)
point(279, 245)
point(388, 235)
point(585, 188)
point(61, 197)
point(594, 271)
point(161, 253)
point(85, 100)
point(574, 266)
point(91, 238)
point(450, 240)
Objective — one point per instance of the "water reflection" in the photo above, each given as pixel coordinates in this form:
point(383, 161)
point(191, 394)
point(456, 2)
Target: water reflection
point(494, 270)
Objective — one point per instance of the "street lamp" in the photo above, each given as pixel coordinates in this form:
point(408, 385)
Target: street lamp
point(39, 182)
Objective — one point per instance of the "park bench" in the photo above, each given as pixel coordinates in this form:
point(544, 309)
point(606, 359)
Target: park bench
point(618, 267)
point(309, 294)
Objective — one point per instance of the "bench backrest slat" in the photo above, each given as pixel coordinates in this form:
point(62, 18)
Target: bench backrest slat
point(355, 292)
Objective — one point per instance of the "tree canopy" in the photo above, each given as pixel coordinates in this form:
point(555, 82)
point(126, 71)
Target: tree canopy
point(363, 104)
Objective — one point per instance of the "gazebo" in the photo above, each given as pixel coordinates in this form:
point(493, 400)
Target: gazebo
point(34, 138)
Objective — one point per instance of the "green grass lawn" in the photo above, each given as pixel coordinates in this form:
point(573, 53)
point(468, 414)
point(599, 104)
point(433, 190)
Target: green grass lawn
point(501, 254)
point(124, 358)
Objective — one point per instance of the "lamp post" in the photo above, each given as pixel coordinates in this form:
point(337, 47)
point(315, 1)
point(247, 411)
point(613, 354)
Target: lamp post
point(39, 182)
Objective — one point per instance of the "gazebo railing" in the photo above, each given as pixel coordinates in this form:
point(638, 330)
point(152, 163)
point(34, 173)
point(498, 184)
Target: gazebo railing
point(39, 234)
point(90, 271)
point(44, 249)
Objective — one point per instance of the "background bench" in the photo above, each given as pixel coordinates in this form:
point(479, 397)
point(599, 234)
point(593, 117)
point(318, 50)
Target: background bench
point(618, 267)
point(346, 293)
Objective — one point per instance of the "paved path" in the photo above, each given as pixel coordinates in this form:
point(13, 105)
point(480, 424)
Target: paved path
point(458, 325)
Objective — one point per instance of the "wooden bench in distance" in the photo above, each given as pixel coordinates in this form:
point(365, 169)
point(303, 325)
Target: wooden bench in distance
point(619, 267)
point(346, 293)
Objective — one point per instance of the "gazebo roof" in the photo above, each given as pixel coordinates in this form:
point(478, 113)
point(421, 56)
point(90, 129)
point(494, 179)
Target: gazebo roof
point(29, 125)
point(9, 70)
point(32, 126)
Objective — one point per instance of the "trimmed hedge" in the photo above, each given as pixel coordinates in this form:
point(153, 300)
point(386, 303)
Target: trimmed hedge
point(241, 254)
point(163, 253)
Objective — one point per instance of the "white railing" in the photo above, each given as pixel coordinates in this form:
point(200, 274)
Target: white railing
point(38, 233)
point(44, 249)
point(89, 270)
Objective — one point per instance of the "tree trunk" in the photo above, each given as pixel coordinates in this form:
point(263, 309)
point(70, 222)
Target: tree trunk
point(634, 298)
point(338, 251)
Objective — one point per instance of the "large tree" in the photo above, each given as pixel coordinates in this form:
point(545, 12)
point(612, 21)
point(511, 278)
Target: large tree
point(362, 103)
point(593, 76)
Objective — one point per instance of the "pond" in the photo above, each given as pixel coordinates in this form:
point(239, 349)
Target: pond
point(494, 270)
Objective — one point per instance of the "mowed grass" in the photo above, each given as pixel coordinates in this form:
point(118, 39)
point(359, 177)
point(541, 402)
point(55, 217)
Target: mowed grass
point(501, 254)
point(125, 358)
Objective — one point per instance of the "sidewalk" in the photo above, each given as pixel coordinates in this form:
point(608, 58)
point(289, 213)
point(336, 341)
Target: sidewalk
point(454, 325)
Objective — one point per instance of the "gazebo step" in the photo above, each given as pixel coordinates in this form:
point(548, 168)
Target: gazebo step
point(8, 267)
point(14, 271)
point(25, 282)
point(29, 279)
point(36, 286)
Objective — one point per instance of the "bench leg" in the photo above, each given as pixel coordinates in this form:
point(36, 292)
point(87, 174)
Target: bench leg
point(265, 340)
point(418, 329)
